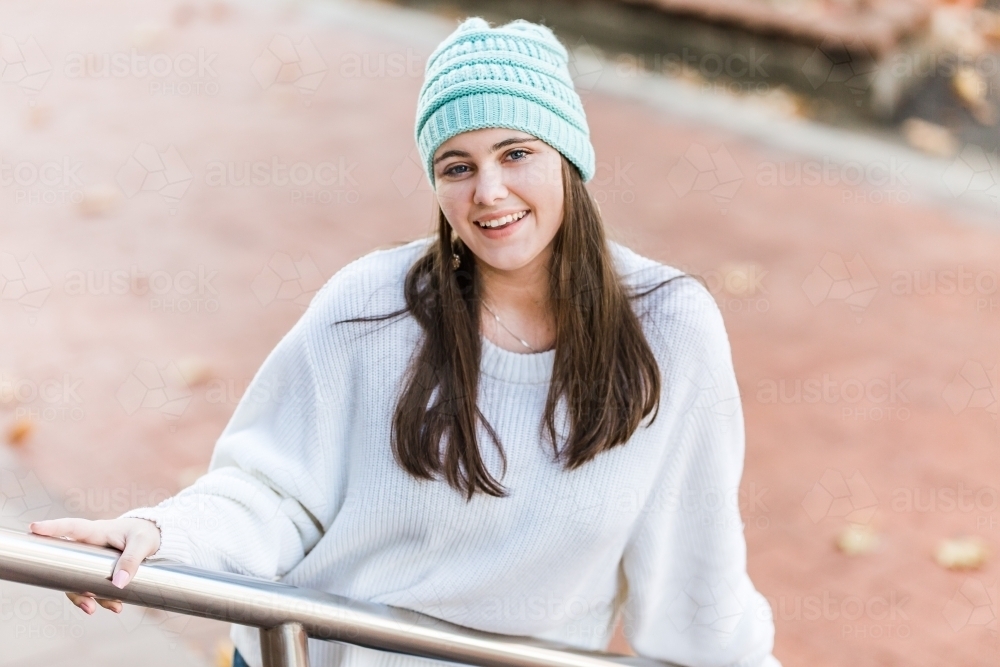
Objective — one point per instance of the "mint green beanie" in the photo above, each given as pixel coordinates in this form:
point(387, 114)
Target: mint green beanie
point(515, 76)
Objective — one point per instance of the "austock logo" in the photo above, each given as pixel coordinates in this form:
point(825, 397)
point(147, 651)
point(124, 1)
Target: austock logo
point(707, 609)
point(703, 171)
point(887, 610)
point(49, 400)
point(974, 604)
point(183, 291)
point(286, 279)
point(284, 61)
point(170, 624)
point(23, 63)
point(23, 499)
point(322, 182)
point(717, 391)
point(409, 176)
point(585, 65)
point(569, 507)
point(874, 399)
point(148, 170)
point(975, 173)
point(24, 282)
point(834, 496)
point(27, 612)
point(433, 602)
point(151, 388)
point(869, 182)
point(381, 65)
point(737, 287)
point(183, 74)
point(833, 61)
point(517, 608)
point(50, 182)
point(731, 72)
point(974, 386)
point(837, 280)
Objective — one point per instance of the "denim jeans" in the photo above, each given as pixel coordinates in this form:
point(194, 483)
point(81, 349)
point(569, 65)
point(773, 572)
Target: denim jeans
point(238, 660)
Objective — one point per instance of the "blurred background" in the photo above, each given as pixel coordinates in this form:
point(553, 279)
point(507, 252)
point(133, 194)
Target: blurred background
point(178, 178)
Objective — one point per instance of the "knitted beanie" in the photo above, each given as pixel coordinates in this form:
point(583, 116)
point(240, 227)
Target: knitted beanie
point(514, 76)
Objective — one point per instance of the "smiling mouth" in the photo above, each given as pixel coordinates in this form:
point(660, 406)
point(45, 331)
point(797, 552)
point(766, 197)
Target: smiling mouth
point(500, 223)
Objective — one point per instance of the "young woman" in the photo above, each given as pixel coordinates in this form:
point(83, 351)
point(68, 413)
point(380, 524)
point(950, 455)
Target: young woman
point(515, 425)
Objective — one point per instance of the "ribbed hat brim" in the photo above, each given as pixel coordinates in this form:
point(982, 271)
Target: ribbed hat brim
point(481, 110)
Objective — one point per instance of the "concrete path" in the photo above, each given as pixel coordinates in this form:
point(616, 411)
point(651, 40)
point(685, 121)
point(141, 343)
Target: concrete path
point(145, 279)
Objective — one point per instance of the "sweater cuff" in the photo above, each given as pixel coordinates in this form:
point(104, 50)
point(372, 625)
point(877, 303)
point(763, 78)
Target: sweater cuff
point(174, 542)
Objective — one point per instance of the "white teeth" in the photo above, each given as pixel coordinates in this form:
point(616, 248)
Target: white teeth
point(499, 222)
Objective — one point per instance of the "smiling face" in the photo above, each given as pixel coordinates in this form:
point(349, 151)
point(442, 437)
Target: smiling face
point(509, 180)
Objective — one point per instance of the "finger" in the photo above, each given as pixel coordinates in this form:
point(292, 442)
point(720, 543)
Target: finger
point(136, 549)
point(84, 602)
point(87, 595)
point(80, 530)
point(76, 598)
point(113, 605)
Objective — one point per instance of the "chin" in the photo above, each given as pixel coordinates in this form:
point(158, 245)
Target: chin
point(506, 261)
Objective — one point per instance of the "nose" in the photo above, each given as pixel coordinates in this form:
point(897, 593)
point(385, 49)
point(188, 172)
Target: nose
point(490, 186)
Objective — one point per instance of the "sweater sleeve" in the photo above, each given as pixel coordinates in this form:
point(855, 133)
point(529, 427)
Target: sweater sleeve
point(689, 599)
point(261, 507)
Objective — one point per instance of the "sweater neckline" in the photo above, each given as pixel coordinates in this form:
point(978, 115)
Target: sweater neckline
point(524, 368)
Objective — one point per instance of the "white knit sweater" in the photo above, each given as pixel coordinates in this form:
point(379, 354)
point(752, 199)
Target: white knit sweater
point(303, 488)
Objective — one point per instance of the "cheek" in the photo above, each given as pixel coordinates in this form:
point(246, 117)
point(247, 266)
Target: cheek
point(541, 187)
point(550, 199)
point(452, 203)
point(554, 215)
point(543, 175)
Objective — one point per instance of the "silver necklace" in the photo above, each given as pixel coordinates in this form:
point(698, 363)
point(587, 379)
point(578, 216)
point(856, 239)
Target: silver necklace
point(497, 318)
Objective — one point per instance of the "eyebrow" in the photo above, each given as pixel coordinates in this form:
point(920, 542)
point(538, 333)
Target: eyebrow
point(493, 149)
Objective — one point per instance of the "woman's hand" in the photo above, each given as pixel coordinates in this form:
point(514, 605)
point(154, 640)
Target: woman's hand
point(135, 538)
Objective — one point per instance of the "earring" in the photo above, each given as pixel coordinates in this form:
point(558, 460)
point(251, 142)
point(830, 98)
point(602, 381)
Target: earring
point(456, 243)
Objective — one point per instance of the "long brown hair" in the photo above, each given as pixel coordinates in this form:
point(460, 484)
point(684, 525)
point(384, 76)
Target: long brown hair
point(603, 366)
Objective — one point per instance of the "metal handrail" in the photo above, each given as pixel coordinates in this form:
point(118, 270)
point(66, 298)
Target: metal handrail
point(285, 614)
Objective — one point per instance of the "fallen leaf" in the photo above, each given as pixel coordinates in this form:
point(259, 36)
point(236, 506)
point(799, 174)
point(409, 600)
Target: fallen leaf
point(741, 279)
point(970, 87)
point(38, 116)
point(857, 539)
point(953, 29)
point(219, 11)
point(962, 553)
point(929, 137)
point(147, 36)
point(20, 431)
point(987, 23)
point(184, 14)
point(188, 476)
point(8, 387)
point(98, 199)
point(224, 653)
point(195, 370)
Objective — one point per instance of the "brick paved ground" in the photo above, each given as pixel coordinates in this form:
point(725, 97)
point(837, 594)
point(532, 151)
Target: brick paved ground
point(109, 303)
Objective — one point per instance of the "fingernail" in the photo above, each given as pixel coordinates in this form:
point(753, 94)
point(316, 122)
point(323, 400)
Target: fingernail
point(121, 578)
point(87, 607)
